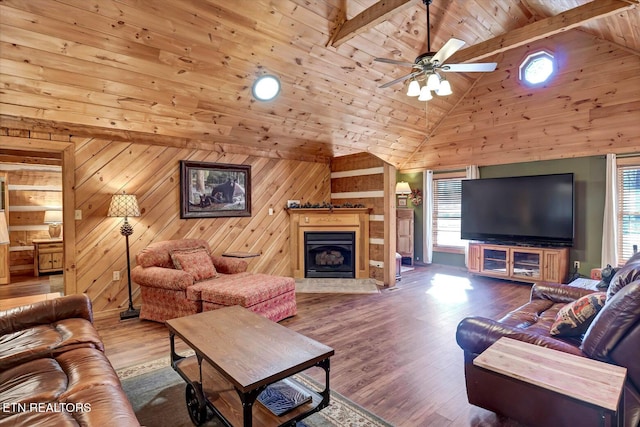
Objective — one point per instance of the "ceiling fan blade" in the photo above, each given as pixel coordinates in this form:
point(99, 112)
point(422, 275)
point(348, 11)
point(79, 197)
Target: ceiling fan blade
point(478, 67)
point(393, 61)
point(447, 50)
point(401, 79)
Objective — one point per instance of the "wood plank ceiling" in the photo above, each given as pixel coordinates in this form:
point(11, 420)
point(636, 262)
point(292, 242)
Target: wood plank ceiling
point(179, 72)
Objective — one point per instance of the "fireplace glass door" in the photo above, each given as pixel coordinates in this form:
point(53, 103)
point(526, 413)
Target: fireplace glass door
point(329, 254)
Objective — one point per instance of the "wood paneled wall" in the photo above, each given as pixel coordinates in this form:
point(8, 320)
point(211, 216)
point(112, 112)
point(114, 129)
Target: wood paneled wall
point(591, 106)
point(104, 167)
point(33, 189)
point(360, 179)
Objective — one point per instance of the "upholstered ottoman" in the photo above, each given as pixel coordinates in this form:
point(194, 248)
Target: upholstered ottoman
point(273, 297)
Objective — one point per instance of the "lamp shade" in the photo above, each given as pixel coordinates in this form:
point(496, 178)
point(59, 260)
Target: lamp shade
point(124, 205)
point(425, 94)
point(444, 89)
point(433, 81)
point(402, 187)
point(53, 217)
point(4, 230)
point(413, 89)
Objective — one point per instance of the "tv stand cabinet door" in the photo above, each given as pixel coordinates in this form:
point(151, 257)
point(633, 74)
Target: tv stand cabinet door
point(473, 263)
point(495, 260)
point(556, 265)
point(526, 264)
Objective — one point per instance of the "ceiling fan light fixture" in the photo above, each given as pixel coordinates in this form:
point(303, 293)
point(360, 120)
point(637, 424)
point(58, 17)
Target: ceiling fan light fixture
point(433, 81)
point(425, 94)
point(414, 88)
point(444, 89)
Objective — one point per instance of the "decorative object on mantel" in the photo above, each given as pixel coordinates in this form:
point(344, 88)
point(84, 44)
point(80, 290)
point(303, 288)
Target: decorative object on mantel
point(126, 205)
point(54, 219)
point(416, 197)
point(324, 205)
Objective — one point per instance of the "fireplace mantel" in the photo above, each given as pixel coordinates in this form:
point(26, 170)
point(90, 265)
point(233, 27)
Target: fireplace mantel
point(325, 219)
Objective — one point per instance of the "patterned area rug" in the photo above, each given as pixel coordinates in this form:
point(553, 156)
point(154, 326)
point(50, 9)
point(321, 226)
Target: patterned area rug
point(157, 394)
point(56, 283)
point(336, 286)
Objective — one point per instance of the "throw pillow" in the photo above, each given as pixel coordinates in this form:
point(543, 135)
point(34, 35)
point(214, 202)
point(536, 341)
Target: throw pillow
point(573, 319)
point(195, 261)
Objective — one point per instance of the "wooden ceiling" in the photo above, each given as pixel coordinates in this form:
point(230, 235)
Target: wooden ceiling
point(179, 72)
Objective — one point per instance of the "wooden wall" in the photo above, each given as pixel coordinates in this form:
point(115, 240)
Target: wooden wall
point(591, 106)
point(33, 189)
point(104, 167)
point(361, 179)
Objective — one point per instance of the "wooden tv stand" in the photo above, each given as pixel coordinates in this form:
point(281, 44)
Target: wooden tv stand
point(519, 263)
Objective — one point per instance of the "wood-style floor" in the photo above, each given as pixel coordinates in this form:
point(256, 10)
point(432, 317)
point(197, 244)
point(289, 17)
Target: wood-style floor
point(395, 352)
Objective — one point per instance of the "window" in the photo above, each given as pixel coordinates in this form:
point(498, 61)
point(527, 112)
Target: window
point(628, 207)
point(447, 195)
point(537, 68)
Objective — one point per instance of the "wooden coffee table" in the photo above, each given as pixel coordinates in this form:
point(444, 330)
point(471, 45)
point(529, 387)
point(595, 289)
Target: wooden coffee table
point(238, 353)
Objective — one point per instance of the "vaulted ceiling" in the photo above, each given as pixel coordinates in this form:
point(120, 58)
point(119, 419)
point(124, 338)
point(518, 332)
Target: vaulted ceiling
point(179, 72)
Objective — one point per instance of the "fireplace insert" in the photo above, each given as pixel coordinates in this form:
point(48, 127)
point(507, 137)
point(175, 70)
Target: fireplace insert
point(330, 254)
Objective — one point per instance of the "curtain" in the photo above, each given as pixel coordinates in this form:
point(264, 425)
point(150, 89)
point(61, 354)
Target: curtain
point(609, 222)
point(428, 217)
point(473, 172)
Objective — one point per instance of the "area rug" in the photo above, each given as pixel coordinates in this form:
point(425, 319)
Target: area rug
point(157, 394)
point(56, 283)
point(404, 268)
point(336, 286)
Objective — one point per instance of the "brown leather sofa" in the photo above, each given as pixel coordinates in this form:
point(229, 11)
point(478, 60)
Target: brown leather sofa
point(53, 371)
point(613, 337)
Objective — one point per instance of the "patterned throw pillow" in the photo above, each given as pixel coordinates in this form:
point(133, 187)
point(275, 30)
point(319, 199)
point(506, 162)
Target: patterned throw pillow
point(574, 319)
point(195, 261)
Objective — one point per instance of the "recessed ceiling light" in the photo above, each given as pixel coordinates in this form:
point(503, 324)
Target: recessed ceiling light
point(266, 88)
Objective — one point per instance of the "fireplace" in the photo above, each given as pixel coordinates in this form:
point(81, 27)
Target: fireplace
point(330, 254)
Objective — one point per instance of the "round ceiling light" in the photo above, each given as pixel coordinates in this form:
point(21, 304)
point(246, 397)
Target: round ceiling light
point(266, 88)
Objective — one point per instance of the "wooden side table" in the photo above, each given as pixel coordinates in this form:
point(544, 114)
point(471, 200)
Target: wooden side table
point(47, 256)
point(582, 384)
point(240, 254)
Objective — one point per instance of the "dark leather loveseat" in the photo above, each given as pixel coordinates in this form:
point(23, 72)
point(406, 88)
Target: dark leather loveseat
point(612, 337)
point(53, 371)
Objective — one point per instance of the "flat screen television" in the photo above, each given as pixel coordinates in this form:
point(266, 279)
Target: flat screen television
point(527, 210)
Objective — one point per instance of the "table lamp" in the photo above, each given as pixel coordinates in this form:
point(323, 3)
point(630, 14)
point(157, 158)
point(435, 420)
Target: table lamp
point(403, 190)
point(126, 205)
point(54, 219)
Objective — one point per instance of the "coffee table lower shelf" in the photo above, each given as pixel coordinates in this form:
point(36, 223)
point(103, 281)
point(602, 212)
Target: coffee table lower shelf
point(223, 399)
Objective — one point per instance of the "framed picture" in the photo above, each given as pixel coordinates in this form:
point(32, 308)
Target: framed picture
point(402, 202)
point(213, 190)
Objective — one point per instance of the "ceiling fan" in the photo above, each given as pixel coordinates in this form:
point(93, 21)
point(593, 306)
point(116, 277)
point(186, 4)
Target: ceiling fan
point(429, 65)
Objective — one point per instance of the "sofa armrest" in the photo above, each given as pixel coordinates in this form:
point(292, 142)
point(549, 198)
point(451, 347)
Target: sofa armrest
point(160, 277)
point(557, 292)
point(45, 312)
point(476, 334)
point(226, 265)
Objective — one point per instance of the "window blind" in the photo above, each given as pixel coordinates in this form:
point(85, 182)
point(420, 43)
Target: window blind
point(628, 192)
point(447, 195)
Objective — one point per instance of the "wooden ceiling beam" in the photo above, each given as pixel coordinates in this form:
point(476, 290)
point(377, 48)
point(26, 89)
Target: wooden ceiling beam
point(367, 19)
point(544, 28)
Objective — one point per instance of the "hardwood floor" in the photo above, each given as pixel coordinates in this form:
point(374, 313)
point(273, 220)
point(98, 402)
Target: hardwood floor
point(27, 285)
point(395, 352)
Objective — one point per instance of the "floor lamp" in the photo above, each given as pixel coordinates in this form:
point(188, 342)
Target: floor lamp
point(126, 205)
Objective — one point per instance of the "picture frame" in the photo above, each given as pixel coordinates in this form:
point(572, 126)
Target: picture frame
point(402, 202)
point(214, 190)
